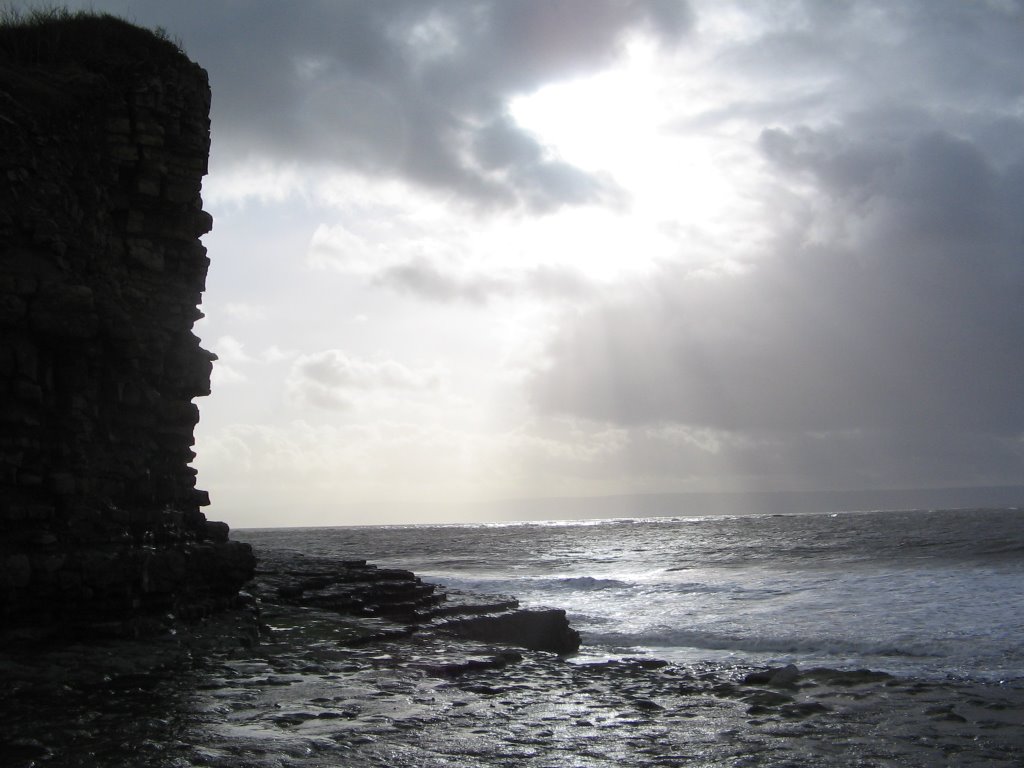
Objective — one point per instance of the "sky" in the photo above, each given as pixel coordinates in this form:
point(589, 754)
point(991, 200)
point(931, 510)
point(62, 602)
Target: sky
point(471, 251)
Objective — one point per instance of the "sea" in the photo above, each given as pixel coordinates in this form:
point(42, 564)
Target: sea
point(931, 594)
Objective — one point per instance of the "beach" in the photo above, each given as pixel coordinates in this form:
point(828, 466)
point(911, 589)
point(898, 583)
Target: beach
point(322, 688)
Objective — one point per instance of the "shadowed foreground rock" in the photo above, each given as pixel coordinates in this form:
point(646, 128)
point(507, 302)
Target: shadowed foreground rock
point(539, 629)
point(104, 139)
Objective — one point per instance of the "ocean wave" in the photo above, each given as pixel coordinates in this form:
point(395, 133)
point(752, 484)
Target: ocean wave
point(563, 587)
point(522, 586)
point(665, 638)
point(1011, 548)
point(582, 583)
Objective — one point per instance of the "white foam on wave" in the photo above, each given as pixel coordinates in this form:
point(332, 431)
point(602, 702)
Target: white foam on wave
point(934, 659)
point(667, 637)
point(524, 587)
point(913, 592)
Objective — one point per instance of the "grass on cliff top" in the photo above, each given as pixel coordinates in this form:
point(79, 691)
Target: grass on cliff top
point(55, 36)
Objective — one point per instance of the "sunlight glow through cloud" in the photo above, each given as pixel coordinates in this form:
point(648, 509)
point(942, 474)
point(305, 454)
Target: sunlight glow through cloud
point(624, 122)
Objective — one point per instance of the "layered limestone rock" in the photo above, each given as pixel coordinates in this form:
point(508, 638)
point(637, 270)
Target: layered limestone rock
point(407, 605)
point(104, 140)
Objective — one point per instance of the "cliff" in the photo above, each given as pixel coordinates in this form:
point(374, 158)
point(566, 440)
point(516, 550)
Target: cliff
point(104, 140)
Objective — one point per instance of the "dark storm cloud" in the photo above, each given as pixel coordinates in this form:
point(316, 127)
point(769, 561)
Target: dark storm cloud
point(945, 52)
point(877, 338)
point(426, 281)
point(909, 314)
point(504, 152)
point(416, 89)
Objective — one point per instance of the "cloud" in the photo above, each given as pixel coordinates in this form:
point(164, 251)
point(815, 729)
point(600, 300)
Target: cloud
point(329, 465)
point(427, 281)
point(244, 311)
point(332, 379)
point(391, 460)
point(233, 359)
point(416, 89)
point(274, 354)
point(895, 303)
point(339, 247)
point(225, 374)
point(435, 256)
point(231, 350)
point(259, 179)
point(945, 53)
point(874, 338)
point(503, 152)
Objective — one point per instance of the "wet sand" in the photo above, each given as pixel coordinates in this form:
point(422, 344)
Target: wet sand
point(310, 695)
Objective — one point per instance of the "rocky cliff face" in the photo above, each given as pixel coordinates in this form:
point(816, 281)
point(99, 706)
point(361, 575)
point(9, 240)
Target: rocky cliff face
point(104, 139)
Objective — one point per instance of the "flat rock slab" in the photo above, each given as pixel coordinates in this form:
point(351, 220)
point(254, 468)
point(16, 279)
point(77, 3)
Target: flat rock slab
point(539, 629)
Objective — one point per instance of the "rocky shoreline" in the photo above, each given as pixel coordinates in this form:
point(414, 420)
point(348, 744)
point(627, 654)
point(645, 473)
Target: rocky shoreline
point(340, 663)
point(353, 588)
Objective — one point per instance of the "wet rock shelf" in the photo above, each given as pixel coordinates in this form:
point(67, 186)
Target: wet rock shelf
point(356, 589)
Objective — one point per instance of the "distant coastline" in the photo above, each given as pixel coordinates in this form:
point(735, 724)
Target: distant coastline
point(774, 502)
point(632, 505)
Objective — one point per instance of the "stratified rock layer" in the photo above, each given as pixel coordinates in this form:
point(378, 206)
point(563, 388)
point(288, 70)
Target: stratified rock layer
point(358, 590)
point(104, 140)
